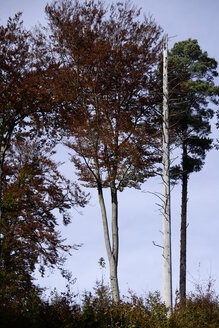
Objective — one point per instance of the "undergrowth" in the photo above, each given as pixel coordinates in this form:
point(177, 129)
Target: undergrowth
point(97, 310)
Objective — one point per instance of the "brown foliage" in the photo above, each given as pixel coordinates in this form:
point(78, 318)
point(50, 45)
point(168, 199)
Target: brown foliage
point(32, 189)
point(109, 58)
point(19, 89)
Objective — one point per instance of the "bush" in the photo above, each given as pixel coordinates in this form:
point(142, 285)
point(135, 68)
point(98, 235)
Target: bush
point(198, 310)
point(97, 310)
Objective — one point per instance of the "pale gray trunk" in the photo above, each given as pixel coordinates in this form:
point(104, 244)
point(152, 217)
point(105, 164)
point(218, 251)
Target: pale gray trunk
point(114, 279)
point(167, 262)
point(112, 252)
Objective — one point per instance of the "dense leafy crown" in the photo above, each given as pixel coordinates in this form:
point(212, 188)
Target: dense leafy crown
point(107, 66)
point(191, 87)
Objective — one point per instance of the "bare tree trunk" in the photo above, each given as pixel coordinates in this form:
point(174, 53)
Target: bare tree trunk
point(112, 252)
point(2, 152)
point(1, 173)
point(115, 239)
point(1, 168)
point(114, 279)
point(167, 261)
point(183, 231)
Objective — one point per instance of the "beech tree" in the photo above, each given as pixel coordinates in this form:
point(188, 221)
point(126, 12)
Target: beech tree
point(13, 45)
point(25, 100)
point(25, 96)
point(32, 189)
point(191, 89)
point(109, 57)
point(19, 88)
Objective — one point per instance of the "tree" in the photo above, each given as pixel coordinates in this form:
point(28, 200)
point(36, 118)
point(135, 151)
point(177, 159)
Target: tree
point(25, 102)
point(109, 58)
point(217, 125)
point(25, 96)
point(167, 258)
point(191, 88)
point(33, 192)
point(20, 103)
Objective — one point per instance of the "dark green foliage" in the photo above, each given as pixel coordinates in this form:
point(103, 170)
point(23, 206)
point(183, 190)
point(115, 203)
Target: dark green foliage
point(191, 87)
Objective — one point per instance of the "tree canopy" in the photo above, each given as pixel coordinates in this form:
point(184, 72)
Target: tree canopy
point(108, 114)
point(91, 81)
point(191, 90)
point(32, 189)
point(110, 63)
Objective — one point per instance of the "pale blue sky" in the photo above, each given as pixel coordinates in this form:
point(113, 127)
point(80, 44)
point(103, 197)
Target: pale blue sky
point(139, 218)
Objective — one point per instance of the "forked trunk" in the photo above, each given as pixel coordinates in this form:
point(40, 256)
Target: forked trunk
point(112, 251)
point(183, 231)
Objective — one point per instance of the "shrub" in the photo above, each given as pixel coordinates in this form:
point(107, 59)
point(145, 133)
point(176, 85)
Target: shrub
point(97, 310)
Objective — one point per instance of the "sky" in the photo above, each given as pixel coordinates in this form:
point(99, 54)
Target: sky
point(140, 222)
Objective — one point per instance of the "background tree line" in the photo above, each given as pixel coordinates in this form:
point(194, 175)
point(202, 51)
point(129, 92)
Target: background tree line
point(91, 81)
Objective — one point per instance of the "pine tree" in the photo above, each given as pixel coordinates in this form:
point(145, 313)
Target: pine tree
point(191, 88)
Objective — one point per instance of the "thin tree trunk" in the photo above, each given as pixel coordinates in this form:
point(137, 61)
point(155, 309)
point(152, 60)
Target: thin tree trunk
point(1, 173)
point(114, 280)
point(2, 152)
point(112, 252)
point(1, 169)
point(115, 239)
point(105, 223)
point(167, 261)
point(183, 231)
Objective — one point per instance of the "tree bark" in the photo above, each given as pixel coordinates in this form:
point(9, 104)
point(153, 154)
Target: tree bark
point(114, 280)
point(167, 261)
point(115, 239)
point(1, 173)
point(112, 252)
point(2, 152)
point(183, 231)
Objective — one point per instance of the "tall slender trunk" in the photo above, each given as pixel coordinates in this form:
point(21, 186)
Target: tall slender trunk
point(2, 150)
point(115, 241)
point(2, 153)
point(112, 251)
point(167, 261)
point(183, 231)
point(1, 174)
